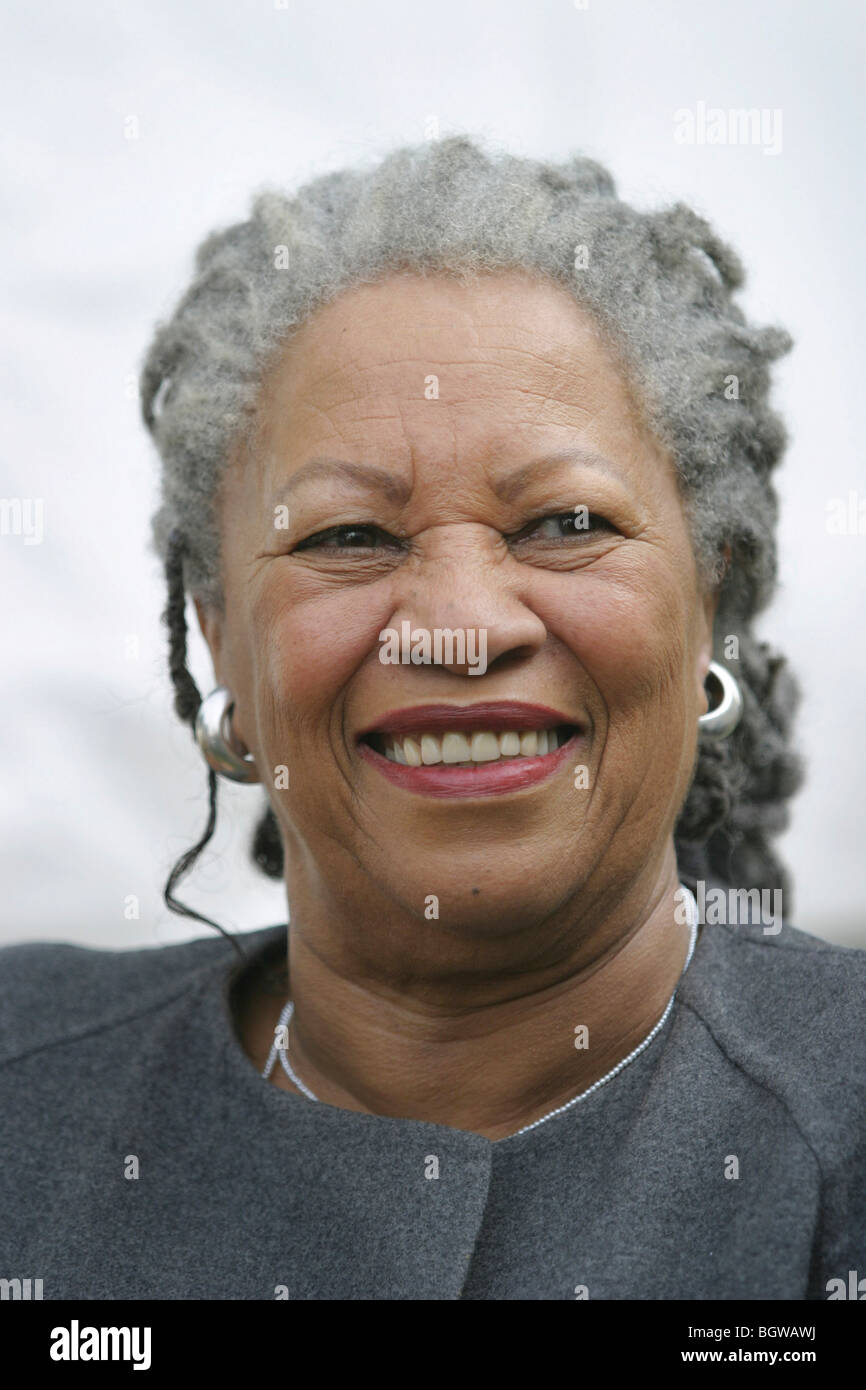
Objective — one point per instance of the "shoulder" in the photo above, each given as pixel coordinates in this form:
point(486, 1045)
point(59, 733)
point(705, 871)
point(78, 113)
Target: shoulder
point(794, 976)
point(51, 992)
point(787, 1009)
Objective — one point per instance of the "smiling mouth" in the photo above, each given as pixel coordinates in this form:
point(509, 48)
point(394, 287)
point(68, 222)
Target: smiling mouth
point(471, 749)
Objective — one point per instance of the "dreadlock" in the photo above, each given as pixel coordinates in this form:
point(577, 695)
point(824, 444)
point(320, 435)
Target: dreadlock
point(661, 287)
point(187, 700)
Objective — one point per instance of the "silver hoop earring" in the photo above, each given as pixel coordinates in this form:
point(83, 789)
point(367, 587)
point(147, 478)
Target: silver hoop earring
point(213, 736)
point(725, 716)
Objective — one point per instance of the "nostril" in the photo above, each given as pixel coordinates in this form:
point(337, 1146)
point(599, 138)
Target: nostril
point(514, 656)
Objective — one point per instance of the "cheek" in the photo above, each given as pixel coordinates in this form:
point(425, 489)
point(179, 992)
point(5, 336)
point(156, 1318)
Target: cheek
point(632, 641)
point(308, 649)
point(631, 635)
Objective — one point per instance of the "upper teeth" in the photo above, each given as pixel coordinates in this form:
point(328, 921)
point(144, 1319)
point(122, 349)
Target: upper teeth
point(466, 749)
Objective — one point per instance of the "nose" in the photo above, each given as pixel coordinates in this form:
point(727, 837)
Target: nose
point(465, 586)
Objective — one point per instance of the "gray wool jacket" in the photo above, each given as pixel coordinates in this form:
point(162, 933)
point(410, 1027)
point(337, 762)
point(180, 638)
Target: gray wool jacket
point(143, 1156)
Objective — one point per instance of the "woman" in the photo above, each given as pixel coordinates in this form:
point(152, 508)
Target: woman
point(466, 467)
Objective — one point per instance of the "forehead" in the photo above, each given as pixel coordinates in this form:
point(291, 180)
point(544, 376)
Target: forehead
point(505, 355)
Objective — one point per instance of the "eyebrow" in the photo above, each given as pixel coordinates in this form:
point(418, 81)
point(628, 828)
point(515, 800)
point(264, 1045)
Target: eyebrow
point(398, 490)
point(506, 488)
point(364, 474)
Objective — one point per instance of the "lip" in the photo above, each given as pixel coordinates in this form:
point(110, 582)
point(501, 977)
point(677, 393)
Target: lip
point(496, 715)
point(486, 779)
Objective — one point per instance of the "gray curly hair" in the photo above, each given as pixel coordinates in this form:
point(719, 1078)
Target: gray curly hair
point(659, 286)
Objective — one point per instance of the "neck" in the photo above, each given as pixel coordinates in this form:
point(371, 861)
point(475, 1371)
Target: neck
point(491, 1059)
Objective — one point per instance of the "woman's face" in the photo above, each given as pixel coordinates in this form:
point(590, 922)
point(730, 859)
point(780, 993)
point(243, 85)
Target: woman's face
point(461, 458)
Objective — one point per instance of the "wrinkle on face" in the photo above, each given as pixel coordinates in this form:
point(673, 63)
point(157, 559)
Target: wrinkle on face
point(615, 630)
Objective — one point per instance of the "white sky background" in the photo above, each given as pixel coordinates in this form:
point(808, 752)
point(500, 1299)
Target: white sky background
point(101, 786)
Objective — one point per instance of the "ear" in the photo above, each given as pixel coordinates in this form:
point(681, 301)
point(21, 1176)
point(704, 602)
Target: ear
point(211, 623)
point(705, 648)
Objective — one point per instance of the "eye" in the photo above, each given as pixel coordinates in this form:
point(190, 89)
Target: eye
point(352, 536)
point(565, 526)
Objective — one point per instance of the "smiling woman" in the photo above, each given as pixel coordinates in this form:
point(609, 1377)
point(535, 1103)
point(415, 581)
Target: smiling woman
point(496, 1054)
point(604, 625)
